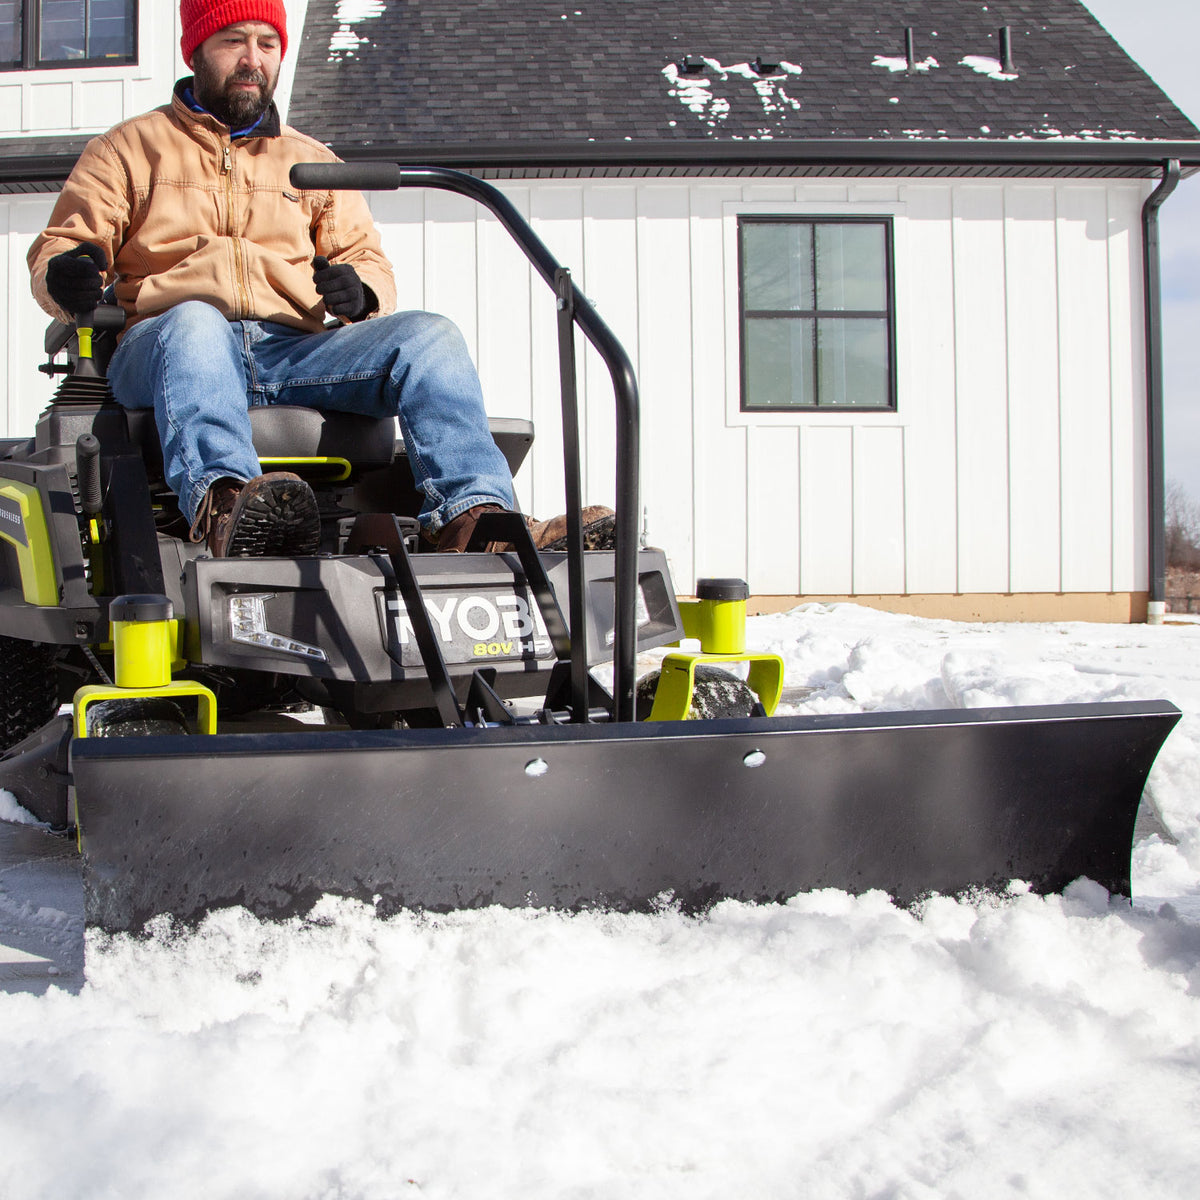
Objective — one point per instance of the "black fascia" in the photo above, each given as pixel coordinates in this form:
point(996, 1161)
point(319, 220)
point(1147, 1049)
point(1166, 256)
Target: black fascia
point(1132, 156)
point(817, 155)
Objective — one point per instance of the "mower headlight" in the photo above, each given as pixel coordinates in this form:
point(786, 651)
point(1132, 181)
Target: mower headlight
point(248, 624)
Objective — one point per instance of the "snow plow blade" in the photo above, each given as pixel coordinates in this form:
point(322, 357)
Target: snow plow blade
point(619, 815)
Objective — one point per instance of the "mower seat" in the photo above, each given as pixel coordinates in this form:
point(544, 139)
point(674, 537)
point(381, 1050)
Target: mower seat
point(318, 445)
point(285, 433)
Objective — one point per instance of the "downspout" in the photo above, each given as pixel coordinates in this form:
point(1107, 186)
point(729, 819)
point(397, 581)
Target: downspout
point(1152, 282)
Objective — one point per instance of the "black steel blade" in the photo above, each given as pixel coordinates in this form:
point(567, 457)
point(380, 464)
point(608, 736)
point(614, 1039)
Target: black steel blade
point(614, 815)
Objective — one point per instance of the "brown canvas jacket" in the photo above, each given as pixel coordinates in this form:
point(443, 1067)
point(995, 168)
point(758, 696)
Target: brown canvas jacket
point(184, 213)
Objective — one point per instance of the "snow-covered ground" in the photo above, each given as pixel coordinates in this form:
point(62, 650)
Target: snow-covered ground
point(830, 1047)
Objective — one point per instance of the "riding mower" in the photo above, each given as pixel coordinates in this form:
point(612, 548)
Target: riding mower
point(445, 731)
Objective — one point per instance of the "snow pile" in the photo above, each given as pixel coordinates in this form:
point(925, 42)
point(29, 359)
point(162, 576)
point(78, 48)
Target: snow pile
point(835, 1046)
point(901, 64)
point(767, 83)
point(981, 64)
point(346, 40)
point(11, 810)
point(831, 1047)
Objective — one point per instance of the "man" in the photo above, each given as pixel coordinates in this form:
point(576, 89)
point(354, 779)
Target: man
point(227, 276)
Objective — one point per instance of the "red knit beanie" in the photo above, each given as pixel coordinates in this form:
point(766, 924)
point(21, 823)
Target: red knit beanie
point(202, 18)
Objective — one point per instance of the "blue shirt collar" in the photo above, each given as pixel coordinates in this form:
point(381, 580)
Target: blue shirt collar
point(190, 100)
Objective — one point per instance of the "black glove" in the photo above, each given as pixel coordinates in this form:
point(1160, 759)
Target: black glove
point(75, 279)
point(340, 288)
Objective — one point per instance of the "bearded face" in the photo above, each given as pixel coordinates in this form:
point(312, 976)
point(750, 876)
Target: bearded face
point(238, 97)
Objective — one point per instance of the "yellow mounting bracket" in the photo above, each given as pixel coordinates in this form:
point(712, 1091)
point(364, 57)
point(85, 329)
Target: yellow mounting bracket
point(144, 639)
point(206, 701)
point(718, 620)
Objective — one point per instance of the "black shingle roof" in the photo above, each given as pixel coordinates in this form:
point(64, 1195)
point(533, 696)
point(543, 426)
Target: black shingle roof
point(445, 73)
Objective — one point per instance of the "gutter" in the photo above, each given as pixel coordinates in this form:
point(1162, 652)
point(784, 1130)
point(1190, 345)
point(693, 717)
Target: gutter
point(1155, 453)
point(810, 156)
point(683, 156)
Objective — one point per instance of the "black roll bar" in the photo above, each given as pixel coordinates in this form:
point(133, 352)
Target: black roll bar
point(379, 177)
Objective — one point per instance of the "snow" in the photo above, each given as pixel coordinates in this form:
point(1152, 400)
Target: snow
point(830, 1047)
point(10, 810)
point(345, 40)
point(991, 67)
point(695, 92)
point(901, 64)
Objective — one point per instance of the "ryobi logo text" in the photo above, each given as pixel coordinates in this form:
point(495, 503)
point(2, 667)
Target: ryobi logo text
point(478, 626)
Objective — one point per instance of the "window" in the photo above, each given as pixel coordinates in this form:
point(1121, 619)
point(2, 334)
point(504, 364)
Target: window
point(816, 310)
point(67, 33)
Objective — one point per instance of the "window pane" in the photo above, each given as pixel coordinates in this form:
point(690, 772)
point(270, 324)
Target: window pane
point(10, 33)
point(852, 353)
point(110, 29)
point(851, 267)
point(62, 32)
point(777, 266)
point(779, 362)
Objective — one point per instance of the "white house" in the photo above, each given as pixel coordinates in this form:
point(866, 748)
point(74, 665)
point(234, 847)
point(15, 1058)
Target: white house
point(884, 284)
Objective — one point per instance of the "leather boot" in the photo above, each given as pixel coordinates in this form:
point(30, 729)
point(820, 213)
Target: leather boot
point(271, 515)
point(599, 530)
point(456, 534)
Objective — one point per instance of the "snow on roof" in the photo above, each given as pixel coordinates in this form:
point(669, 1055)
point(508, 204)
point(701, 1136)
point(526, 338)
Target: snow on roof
point(346, 39)
point(741, 83)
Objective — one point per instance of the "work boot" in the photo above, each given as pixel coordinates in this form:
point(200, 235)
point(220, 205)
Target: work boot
point(455, 534)
point(599, 530)
point(271, 515)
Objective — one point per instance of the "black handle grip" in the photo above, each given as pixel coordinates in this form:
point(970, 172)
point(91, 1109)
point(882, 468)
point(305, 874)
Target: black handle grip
point(87, 472)
point(108, 316)
point(362, 177)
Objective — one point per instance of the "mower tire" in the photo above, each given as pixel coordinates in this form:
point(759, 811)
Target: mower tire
point(137, 717)
point(718, 694)
point(28, 688)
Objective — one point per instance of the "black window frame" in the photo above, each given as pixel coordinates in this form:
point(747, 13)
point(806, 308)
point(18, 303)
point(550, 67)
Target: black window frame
point(31, 29)
point(817, 314)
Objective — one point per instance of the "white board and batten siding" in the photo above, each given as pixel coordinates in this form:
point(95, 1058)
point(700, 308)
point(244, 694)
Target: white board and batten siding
point(1015, 461)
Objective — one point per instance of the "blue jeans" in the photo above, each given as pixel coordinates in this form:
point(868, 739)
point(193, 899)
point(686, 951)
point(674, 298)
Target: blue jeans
point(200, 372)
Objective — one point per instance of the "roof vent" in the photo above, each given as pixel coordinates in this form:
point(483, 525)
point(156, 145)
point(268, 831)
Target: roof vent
point(910, 51)
point(692, 64)
point(1006, 58)
point(763, 66)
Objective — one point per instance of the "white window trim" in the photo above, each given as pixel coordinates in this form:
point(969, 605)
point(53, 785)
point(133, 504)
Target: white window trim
point(731, 210)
